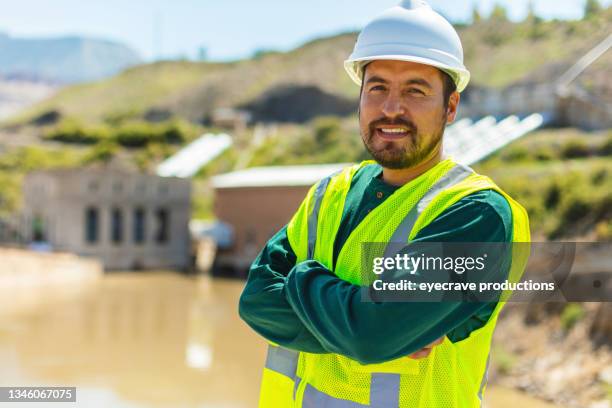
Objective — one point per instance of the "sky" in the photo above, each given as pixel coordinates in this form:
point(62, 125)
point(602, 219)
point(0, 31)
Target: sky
point(227, 30)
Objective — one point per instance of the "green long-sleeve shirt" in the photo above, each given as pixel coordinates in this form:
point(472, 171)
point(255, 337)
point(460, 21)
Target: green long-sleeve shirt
point(306, 307)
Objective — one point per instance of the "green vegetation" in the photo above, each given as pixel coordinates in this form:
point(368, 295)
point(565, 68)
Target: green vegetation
point(134, 134)
point(591, 8)
point(148, 143)
point(14, 164)
point(202, 203)
point(567, 194)
point(324, 140)
point(499, 52)
point(134, 91)
point(503, 359)
point(572, 313)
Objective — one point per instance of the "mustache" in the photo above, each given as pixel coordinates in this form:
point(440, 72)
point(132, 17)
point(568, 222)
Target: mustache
point(408, 124)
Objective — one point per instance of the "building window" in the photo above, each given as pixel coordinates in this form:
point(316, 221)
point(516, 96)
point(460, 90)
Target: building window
point(139, 225)
point(116, 225)
point(38, 229)
point(163, 225)
point(91, 225)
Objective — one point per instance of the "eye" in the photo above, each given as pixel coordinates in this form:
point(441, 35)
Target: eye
point(377, 88)
point(415, 91)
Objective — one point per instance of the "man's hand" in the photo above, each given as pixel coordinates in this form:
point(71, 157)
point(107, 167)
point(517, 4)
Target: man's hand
point(424, 352)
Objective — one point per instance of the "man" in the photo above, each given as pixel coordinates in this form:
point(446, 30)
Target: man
point(328, 347)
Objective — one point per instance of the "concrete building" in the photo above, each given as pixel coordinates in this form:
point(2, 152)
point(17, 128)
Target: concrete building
point(255, 203)
point(127, 220)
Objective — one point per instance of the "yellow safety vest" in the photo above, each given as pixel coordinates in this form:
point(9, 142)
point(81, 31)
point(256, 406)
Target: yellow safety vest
point(454, 374)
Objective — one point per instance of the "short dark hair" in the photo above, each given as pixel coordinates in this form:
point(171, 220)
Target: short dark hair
point(448, 85)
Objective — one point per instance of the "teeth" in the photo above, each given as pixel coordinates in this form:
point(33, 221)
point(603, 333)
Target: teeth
point(393, 130)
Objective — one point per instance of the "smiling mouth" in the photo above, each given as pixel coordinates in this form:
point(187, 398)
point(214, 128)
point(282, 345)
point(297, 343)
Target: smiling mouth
point(392, 132)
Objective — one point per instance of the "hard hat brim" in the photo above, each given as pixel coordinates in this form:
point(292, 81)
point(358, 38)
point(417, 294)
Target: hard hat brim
point(354, 68)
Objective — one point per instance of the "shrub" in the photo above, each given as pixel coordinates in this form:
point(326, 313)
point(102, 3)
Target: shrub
point(515, 153)
point(606, 147)
point(102, 152)
point(599, 177)
point(552, 196)
point(128, 134)
point(576, 208)
point(134, 134)
point(575, 148)
point(603, 230)
point(572, 314)
point(544, 154)
point(175, 132)
point(118, 117)
point(71, 131)
point(326, 131)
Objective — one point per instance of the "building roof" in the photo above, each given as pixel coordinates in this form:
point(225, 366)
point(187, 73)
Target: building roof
point(190, 159)
point(469, 142)
point(277, 176)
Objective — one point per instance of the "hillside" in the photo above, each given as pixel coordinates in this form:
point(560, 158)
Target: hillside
point(497, 52)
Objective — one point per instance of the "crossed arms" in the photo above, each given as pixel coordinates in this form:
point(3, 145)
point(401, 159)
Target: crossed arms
point(305, 306)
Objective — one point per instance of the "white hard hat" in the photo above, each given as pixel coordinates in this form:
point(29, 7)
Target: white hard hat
point(411, 31)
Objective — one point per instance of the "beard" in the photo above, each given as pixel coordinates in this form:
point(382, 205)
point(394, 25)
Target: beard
point(404, 153)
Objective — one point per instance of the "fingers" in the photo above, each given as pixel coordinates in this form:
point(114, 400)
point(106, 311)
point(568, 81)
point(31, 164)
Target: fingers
point(435, 343)
point(422, 353)
point(425, 351)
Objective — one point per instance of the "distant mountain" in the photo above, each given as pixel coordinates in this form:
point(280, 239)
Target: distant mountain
point(64, 60)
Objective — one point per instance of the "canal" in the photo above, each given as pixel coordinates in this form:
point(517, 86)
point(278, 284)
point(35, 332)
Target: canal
point(143, 340)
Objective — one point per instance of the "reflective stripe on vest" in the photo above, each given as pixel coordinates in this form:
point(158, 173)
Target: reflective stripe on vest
point(485, 378)
point(314, 216)
point(384, 393)
point(282, 360)
point(455, 175)
point(384, 388)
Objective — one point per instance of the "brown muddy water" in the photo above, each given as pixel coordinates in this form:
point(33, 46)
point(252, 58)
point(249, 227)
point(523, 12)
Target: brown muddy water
point(143, 340)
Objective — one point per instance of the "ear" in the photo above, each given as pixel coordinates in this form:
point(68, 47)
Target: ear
point(453, 104)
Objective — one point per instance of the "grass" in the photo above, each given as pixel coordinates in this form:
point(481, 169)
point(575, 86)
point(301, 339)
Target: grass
point(132, 92)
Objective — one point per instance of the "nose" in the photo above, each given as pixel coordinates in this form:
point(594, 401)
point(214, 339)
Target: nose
point(392, 106)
